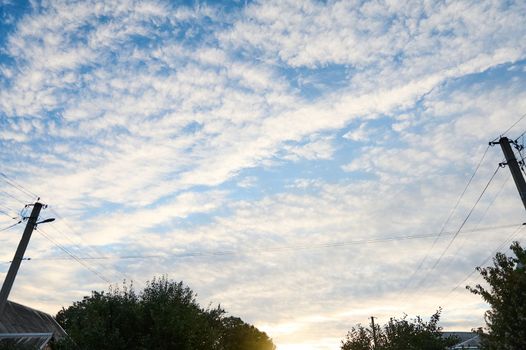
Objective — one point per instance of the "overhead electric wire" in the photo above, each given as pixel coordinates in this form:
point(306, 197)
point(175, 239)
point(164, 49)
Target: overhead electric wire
point(7, 214)
point(65, 250)
point(95, 251)
point(13, 183)
point(72, 229)
point(297, 247)
point(444, 225)
point(6, 208)
point(10, 226)
point(16, 185)
point(509, 238)
point(521, 135)
point(512, 126)
point(482, 216)
point(501, 188)
point(86, 256)
point(13, 197)
point(75, 244)
point(465, 188)
point(424, 279)
point(466, 219)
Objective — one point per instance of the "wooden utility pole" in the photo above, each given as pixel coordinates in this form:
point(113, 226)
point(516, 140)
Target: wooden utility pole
point(19, 256)
point(512, 163)
point(374, 332)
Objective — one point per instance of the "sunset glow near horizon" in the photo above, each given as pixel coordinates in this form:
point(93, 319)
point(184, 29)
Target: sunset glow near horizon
point(293, 161)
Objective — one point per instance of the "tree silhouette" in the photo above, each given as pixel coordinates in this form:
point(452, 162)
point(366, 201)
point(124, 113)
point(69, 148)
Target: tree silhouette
point(506, 295)
point(399, 334)
point(165, 315)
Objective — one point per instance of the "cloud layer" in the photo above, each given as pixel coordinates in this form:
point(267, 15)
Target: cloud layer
point(265, 153)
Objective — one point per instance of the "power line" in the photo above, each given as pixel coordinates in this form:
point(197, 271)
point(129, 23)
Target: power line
point(282, 248)
point(72, 255)
point(444, 225)
point(16, 185)
point(512, 126)
point(494, 199)
point(95, 251)
point(13, 197)
point(7, 214)
point(10, 226)
point(521, 135)
point(13, 183)
point(466, 219)
point(482, 217)
point(87, 256)
point(422, 282)
point(6, 208)
point(509, 238)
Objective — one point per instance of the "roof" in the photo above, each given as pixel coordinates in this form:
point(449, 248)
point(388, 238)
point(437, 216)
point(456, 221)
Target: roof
point(467, 340)
point(28, 326)
point(473, 343)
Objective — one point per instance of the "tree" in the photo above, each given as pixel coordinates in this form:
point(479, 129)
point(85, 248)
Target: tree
point(238, 335)
point(358, 338)
point(165, 315)
point(400, 334)
point(506, 296)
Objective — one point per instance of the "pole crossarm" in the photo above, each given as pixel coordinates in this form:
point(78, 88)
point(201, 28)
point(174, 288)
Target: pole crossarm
point(513, 165)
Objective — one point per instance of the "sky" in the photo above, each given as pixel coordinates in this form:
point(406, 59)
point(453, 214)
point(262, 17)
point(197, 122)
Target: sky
point(300, 163)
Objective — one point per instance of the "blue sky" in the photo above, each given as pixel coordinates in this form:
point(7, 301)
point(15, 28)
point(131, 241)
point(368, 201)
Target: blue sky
point(247, 146)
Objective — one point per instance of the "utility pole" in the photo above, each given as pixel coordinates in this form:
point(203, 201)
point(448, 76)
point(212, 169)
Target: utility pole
point(19, 256)
point(512, 163)
point(374, 332)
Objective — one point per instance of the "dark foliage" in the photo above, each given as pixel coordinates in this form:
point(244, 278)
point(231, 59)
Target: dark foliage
point(399, 334)
point(506, 295)
point(165, 315)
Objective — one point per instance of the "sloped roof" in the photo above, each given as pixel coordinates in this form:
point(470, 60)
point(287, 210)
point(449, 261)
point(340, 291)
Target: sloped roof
point(473, 343)
point(462, 336)
point(28, 326)
point(467, 340)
